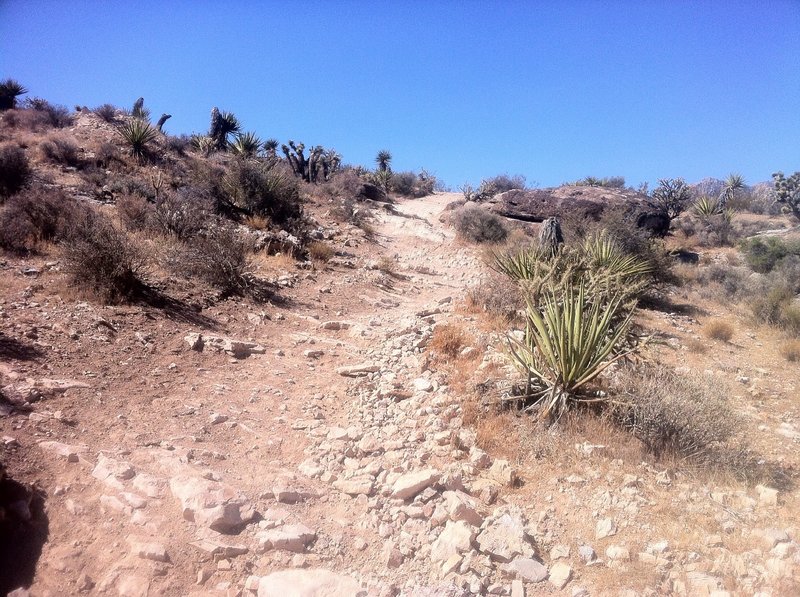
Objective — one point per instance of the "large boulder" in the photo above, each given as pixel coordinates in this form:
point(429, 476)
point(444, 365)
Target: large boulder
point(539, 204)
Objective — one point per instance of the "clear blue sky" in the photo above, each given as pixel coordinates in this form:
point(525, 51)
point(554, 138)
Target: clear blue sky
point(552, 90)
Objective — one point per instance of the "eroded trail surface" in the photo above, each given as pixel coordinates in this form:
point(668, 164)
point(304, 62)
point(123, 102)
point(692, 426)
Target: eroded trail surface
point(179, 461)
point(312, 446)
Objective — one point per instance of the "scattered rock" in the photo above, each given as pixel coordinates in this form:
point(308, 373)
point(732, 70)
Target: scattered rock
point(294, 537)
point(410, 484)
point(210, 503)
point(528, 569)
point(307, 583)
point(560, 575)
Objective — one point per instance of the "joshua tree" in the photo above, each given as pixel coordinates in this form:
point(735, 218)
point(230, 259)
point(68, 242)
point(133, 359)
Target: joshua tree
point(382, 159)
point(734, 182)
point(162, 120)
point(318, 166)
point(550, 236)
point(139, 111)
point(271, 147)
point(787, 191)
point(223, 124)
point(672, 196)
point(9, 91)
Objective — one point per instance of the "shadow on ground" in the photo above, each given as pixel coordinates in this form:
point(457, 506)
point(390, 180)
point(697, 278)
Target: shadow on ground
point(24, 529)
point(11, 348)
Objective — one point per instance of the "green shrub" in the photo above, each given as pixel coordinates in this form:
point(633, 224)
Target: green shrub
point(264, 189)
point(763, 254)
point(15, 171)
point(102, 258)
point(478, 225)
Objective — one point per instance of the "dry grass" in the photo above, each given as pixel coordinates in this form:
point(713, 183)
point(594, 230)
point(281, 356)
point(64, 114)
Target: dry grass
point(718, 329)
point(257, 222)
point(790, 350)
point(449, 340)
point(696, 346)
point(320, 252)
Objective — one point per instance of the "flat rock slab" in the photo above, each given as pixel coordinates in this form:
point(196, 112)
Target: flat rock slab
point(410, 484)
point(505, 539)
point(527, 569)
point(455, 539)
point(308, 583)
point(290, 537)
point(215, 505)
point(358, 370)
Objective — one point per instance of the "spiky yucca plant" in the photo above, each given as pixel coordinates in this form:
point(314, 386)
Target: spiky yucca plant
point(603, 252)
point(706, 207)
point(137, 134)
point(569, 340)
point(383, 159)
point(246, 145)
point(9, 91)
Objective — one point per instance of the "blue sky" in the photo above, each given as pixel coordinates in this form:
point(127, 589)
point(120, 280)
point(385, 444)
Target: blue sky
point(553, 90)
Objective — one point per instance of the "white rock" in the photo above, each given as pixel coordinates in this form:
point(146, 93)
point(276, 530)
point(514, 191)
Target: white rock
point(290, 537)
point(527, 569)
point(605, 527)
point(210, 503)
point(410, 484)
point(560, 575)
point(456, 538)
point(307, 583)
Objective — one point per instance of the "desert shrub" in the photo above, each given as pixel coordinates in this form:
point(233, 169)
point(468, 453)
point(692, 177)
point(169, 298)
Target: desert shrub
point(183, 213)
point(679, 415)
point(36, 214)
point(346, 184)
point(320, 251)
point(504, 182)
point(100, 257)
point(131, 185)
point(478, 225)
point(105, 154)
point(106, 112)
point(495, 296)
point(218, 257)
point(448, 340)
point(611, 182)
point(55, 115)
point(263, 188)
point(59, 149)
point(410, 184)
point(718, 329)
point(14, 169)
point(763, 254)
point(135, 212)
point(178, 143)
point(790, 350)
point(774, 306)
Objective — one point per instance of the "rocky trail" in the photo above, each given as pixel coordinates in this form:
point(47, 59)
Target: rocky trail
point(308, 448)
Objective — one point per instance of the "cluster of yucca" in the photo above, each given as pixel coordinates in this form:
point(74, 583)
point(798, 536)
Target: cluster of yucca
point(580, 302)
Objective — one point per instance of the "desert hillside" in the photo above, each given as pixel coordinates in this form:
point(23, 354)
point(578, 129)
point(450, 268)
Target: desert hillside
point(233, 368)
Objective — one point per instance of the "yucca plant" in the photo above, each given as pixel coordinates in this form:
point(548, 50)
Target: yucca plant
point(203, 144)
point(246, 145)
point(383, 159)
point(9, 91)
point(569, 340)
point(604, 253)
point(137, 134)
point(223, 125)
point(734, 182)
point(706, 207)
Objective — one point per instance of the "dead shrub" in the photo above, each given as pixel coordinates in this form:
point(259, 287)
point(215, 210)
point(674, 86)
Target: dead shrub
point(674, 415)
point(59, 149)
point(55, 115)
point(218, 257)
point(477, 225)
point(448, 340)
point(182, 214)
point(106, 112)
point(790, 350)
point(135, 212)
point(106, 154)
point(15, 170)
point(718, 329)
point(35, 215)
point(320, 251)
point(100, 257)
point(496, 296)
